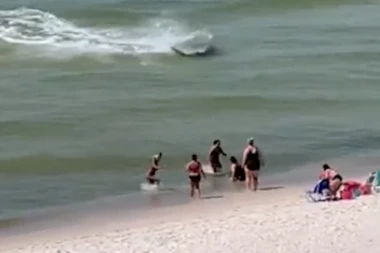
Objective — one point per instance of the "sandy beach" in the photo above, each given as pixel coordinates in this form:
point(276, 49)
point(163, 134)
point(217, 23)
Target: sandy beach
point(278, 220)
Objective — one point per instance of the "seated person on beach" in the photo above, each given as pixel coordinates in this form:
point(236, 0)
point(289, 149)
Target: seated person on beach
point(237, 171)
point(214, 154)
point(151, 174)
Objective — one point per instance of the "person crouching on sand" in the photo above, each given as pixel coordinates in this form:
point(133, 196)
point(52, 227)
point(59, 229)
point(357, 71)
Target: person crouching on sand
point(252, 162)
point(194, 169)
point(329, 184)
point(151, 174)
point(334, 179)
point(327, 173)
point(214, 154)
point(237, 171)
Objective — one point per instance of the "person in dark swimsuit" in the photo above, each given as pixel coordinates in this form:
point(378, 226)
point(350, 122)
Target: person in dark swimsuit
point(214, 154)
point(151, 174)
point(252, 161)
point(195, 171)
point(237, 171)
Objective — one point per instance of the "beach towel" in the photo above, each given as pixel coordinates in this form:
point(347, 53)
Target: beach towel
point(315, 197)
point(372, 183)
point(369, 185)
point(350, 190)
point(376, 182)
point(322, 186)
point(320, 191)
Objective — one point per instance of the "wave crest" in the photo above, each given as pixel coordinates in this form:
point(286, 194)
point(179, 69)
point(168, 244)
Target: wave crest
point(32, 27)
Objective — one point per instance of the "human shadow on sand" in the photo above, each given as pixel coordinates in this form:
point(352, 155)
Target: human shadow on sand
point(212, 197)
point(270, 188)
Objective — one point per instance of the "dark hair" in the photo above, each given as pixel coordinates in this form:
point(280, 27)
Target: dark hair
point(160, 154)
point(216, 141)
point(233, 159)
point(326, 166)
point(338, 177)
point(194, 157)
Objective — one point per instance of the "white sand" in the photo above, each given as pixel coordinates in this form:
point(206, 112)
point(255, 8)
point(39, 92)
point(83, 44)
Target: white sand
point(273, 221)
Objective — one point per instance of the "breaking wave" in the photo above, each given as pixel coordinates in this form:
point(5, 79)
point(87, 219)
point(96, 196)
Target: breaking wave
point(46, 32)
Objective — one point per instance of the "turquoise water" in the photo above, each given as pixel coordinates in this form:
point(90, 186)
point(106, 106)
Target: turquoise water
point(89, 90)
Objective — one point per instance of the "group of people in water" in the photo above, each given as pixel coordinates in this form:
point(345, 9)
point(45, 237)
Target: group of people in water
point(247, 170)
point(330, 182)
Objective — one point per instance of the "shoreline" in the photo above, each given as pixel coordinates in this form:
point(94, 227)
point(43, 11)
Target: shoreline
point(115, 221)
point(279, 220)
point(125, 206)
point(97, 218)
point(142, 202)
point(177, 193)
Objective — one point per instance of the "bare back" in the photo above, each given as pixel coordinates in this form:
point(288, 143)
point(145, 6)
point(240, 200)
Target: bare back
point(194, 168)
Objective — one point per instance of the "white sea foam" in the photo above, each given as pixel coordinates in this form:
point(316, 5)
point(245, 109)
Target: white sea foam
point(48, 34)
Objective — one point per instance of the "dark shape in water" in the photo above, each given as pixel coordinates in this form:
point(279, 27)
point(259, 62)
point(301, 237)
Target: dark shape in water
point(210, 51)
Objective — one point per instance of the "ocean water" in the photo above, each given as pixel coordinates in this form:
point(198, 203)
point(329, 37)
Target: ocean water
point(89, 90)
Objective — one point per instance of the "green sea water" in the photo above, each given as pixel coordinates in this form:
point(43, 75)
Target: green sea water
point(89, 90)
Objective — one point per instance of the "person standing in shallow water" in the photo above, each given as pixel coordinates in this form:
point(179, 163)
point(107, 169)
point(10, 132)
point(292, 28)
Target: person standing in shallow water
point(195, 171)
point(252, 162)
point(214, 154)
point(151, 174)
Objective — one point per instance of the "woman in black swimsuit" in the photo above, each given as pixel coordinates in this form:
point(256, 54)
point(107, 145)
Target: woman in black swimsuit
point(252, 161)
point(214, 154)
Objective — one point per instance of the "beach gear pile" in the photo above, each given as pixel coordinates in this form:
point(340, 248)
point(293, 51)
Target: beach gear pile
point(349, 189)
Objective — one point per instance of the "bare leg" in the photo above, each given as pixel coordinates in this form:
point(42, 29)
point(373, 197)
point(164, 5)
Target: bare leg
point(255, 180)
point(198, 190)
point(251, 179)
point(247, 179)
point(153, 180)
point(255, 184)
point(191, 189)
point(213, 167)
point(232, 174)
